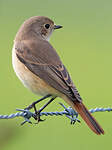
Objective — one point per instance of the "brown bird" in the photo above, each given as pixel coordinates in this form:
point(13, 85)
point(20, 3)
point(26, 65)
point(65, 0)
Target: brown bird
point(40, 69)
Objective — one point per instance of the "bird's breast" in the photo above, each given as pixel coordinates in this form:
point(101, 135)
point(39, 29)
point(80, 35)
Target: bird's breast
point(30, 80)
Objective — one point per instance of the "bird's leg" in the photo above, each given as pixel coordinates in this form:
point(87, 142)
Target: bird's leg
point(34, 103)
point(37, 113)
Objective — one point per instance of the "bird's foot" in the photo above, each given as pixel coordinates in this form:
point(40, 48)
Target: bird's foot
point(36, 116)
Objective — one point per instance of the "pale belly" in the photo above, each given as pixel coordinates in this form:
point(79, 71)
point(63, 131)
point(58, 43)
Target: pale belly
point(30, 80)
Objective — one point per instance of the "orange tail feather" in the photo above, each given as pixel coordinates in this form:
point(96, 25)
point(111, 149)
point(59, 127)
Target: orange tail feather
point(88, 118)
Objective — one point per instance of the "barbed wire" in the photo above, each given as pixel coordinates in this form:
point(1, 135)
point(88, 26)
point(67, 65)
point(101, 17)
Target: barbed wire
point(68, 112)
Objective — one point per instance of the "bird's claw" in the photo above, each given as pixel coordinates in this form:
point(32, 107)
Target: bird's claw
point(36, 116)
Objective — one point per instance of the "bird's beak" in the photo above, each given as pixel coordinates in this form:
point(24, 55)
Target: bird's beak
point(57, 27)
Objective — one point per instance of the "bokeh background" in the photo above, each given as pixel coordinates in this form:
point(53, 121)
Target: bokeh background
point(85, 47)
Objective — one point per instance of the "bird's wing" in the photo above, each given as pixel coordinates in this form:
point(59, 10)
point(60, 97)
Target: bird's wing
point(42, 60)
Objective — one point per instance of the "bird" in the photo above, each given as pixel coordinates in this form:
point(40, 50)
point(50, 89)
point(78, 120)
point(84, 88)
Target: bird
point(39, 67)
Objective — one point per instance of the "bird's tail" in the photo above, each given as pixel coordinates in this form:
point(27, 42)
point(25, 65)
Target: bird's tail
point(88, 118)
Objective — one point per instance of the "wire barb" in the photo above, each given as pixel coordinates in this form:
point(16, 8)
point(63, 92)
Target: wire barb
point(68, 112)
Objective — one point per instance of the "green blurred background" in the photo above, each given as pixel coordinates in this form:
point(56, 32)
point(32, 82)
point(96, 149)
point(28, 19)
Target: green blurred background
point(85, 47)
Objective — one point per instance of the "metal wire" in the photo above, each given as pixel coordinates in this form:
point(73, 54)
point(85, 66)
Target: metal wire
point(68, 112)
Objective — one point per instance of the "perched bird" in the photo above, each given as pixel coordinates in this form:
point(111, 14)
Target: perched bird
point(40, 69)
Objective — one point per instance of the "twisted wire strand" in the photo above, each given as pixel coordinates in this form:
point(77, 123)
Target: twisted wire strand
point(68, 112)
point(18, 114)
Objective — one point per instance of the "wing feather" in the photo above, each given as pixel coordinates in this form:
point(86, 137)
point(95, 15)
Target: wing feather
point(52, 72)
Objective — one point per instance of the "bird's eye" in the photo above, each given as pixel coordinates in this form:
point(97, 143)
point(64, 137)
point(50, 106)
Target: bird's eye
point(47, 26)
